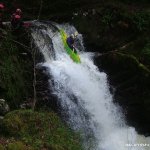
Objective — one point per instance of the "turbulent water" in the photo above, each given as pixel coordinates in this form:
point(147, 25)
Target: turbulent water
point(83, 93)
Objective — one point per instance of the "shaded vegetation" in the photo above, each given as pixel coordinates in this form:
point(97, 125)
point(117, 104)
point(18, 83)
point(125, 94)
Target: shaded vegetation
point(114, 23)
point(15, 71)
point(26, 130)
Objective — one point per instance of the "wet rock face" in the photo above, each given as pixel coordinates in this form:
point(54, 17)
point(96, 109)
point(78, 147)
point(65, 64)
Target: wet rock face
point(44, 93)
point(45, 96)
point(4, 108)
point(132, 86)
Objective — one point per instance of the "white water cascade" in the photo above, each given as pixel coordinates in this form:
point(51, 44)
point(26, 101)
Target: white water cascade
point(84, 95)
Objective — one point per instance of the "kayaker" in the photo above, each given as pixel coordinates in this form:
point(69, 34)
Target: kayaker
point(71, 41)
point(16, 19)
point(17, 12)
point(16, 22)
point(1, 15)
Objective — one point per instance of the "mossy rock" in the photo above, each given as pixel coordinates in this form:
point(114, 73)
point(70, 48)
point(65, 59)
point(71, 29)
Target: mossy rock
point(16, 146)
point(2, 147)
point(14, 128)
point(41, 130)
point(131, 80)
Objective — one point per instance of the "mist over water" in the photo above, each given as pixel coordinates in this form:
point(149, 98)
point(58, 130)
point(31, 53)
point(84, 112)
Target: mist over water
point(84, 95)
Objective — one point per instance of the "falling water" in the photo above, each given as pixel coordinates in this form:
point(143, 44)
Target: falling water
point(83, 93)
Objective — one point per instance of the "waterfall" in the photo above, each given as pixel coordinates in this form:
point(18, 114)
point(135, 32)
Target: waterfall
point(83, 93)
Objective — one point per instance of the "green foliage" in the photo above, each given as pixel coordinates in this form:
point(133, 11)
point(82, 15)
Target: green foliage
point(41, 130)
point(141, 20)
point(107, 18)
point(145, 54)
point(146, 50)
point(14, 72)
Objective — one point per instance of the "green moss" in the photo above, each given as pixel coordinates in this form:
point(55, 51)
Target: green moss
point(41, 130)
point(16, 146)
point(55, 147)
point(2, 147)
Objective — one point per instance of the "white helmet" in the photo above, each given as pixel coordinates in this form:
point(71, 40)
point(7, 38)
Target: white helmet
point(72, 35)
point(18, 10)
point(76, 34)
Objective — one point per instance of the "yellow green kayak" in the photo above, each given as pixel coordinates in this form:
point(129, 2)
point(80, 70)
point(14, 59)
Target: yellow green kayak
point(75, 57)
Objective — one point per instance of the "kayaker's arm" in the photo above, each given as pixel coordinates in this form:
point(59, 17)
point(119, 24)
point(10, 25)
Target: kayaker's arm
point(74, 49)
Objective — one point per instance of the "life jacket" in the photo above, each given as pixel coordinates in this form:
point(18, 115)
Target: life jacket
point(15, 17)
point(70, 42)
